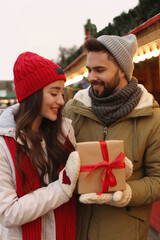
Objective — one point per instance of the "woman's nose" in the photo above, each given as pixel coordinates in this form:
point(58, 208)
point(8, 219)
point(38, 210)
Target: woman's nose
point(60, 100)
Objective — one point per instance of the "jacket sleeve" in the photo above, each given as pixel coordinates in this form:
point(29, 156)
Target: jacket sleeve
point(16, 211)
point(146, 189)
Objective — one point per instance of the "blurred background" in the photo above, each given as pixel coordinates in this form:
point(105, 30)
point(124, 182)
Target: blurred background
point(57, 30)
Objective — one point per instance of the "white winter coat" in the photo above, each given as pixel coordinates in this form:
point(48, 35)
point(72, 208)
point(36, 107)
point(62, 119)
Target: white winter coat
point(15, 211)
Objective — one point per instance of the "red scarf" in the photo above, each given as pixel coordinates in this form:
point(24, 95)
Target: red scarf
point(65, 215)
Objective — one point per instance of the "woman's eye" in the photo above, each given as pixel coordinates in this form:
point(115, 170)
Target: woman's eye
point(54, 94)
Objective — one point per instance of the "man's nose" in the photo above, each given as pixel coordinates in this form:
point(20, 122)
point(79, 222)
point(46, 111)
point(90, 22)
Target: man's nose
point(92, 76)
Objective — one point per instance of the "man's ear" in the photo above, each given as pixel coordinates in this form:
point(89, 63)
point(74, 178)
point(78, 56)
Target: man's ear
point(121, 74)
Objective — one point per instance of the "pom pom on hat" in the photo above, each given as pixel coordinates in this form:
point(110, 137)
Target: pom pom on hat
point(122, 49)
point(33, 72)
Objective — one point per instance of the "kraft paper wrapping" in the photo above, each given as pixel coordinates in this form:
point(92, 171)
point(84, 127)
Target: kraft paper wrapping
point(90, 153)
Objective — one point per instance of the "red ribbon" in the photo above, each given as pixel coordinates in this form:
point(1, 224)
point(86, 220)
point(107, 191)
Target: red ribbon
point(109, 179)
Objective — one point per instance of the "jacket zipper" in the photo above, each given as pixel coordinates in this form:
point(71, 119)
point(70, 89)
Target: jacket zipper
point(105, 132)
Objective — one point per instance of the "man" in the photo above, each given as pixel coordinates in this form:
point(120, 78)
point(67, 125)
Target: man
point(115, 107)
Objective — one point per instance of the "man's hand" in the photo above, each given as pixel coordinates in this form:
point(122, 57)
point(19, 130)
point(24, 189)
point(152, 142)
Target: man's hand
point(118, 198)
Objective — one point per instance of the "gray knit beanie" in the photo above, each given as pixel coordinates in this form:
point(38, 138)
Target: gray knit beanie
point(122, 49)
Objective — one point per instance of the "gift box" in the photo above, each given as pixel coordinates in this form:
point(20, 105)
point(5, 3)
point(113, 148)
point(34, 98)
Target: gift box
point(102, 166)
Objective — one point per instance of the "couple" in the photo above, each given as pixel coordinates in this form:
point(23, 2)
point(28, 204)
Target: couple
point(39, 166)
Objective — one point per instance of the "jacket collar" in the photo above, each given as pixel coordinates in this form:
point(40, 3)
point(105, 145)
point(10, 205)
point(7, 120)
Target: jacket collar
point(145, 101)
point(144, 107)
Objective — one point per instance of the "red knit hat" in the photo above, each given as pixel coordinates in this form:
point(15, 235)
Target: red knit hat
point(33, 72)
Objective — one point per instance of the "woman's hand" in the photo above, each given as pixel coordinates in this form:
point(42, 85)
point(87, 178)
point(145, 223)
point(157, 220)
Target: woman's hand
point(69, 175)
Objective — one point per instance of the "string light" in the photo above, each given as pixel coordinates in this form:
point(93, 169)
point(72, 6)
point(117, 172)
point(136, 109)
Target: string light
point(148, 55)
point(76, 79)
point(6, 101)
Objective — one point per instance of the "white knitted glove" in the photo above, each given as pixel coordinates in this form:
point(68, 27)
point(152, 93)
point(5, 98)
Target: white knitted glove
point(69, 175)
point(118, 198)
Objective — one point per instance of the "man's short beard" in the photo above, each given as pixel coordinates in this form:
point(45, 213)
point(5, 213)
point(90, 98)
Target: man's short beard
point(109, 87)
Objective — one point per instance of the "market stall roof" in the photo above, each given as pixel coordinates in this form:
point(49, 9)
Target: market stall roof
point(148, 38)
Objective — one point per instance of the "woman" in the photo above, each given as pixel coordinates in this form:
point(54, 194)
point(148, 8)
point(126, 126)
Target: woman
point(36, 189)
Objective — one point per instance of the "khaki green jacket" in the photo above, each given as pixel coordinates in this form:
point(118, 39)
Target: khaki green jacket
point(140, 131)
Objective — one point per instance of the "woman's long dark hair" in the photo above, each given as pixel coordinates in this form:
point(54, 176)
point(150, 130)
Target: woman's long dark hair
point(57, 152)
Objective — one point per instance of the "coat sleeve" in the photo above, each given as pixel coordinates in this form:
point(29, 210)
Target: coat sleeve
point(16, 211)
point(146, 189)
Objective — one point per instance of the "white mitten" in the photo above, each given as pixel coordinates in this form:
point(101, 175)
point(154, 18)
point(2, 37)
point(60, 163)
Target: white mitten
point(69, 175)
point(117, 199)
point(128, 167)
point(121, 198)
point(90, 198)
